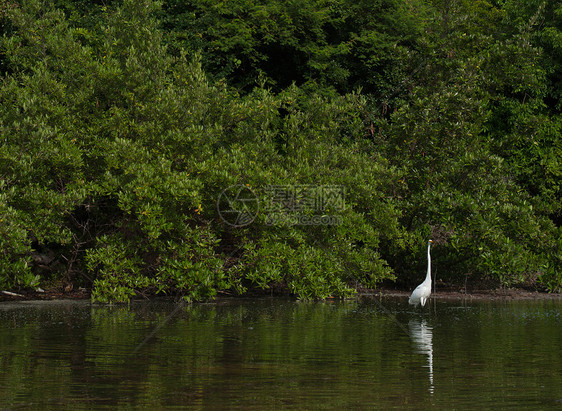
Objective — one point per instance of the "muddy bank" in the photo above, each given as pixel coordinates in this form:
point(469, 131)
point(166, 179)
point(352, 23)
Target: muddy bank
point(52, 294)
point(499, 294)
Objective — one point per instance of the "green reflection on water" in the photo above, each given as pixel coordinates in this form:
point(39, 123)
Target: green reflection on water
point(275, 354)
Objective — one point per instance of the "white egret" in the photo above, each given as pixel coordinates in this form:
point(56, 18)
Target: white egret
point(422, 291)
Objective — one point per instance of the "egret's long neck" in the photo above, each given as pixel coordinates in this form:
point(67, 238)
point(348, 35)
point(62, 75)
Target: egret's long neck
point(428, 276)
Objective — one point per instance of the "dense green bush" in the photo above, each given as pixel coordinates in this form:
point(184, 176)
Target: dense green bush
point(127, 140)
point(338, 44)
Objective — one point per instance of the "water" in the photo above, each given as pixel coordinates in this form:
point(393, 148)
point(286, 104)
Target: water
point(281, 354)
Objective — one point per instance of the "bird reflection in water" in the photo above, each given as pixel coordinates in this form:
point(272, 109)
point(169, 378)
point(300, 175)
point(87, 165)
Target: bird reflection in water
point(422, 336)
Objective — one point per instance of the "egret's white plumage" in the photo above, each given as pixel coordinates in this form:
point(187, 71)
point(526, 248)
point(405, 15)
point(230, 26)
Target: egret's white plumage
point(423, 291)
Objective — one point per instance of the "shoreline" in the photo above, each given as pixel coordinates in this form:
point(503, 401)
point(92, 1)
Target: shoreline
point(477, 295)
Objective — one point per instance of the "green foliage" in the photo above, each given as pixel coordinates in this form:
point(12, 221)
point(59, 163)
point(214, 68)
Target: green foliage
point(14, 259)
point(474, 167)
point(120, 133)
point(339, 44)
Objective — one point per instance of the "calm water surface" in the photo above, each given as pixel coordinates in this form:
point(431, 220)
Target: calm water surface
point(280, 354)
